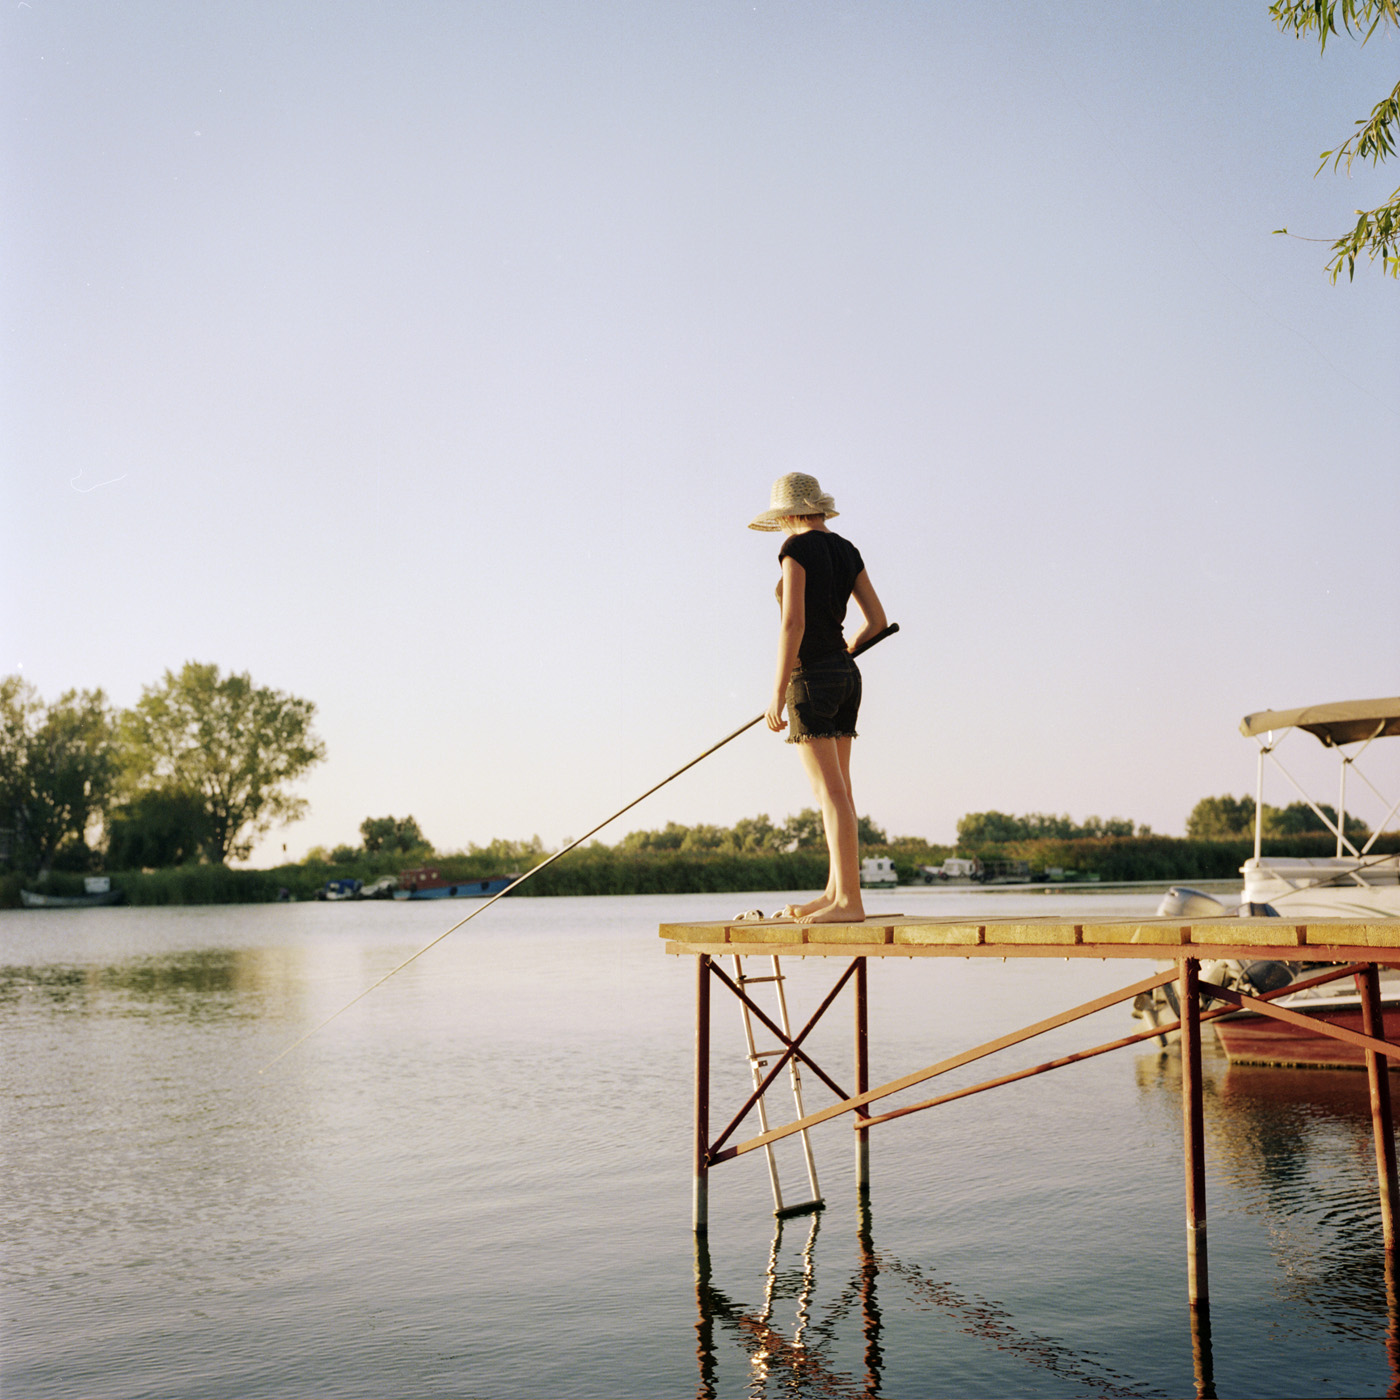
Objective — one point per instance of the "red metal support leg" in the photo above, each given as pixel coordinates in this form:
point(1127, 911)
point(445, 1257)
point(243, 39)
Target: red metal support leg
point(1193, 1125)
point(1368, 983)
point(862, 1076)
point(700, 1210)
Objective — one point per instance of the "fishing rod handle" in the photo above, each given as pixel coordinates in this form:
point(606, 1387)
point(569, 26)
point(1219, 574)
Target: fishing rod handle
point(878, 637)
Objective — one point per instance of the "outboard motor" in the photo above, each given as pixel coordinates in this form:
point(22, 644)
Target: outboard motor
point(1265, 976)
point(1223, 972)
point(1182, 900)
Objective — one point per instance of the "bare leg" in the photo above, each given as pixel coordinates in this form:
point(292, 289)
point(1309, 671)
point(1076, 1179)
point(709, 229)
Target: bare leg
point(828, 895)
point(828, 765)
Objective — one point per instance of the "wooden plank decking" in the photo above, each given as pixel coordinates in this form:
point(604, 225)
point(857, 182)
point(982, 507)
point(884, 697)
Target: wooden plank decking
point(913, 935)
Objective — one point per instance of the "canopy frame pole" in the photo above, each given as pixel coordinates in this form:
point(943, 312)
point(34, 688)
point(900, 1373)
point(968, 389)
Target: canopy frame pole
point(1342, 801)
point(1331, 826)
point(1394, 806)
point(1259, 797)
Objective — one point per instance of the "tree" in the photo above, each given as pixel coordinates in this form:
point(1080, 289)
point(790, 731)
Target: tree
point(758, 834)
point(1227, 818)
point(58, 769)
point(157, 829)
point(998, 828)
point(749, 835)
point(233, 746)
point(391, 834)
point(1298, 818)
point(988, 828)
point(668, 839)
point(1220, 818)
point(1106, 826)
point(1377, 231)
point(507, 853)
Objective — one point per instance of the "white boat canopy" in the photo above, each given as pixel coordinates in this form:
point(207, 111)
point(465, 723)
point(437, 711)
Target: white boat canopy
point(1346, 722)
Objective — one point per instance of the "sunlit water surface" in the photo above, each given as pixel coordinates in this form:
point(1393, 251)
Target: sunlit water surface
point(477, 1181)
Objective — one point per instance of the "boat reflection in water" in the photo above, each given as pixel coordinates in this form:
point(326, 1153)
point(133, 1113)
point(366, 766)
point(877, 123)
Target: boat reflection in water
point(1293, 1147)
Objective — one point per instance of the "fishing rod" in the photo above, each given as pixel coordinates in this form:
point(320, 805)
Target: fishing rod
point(548, 860)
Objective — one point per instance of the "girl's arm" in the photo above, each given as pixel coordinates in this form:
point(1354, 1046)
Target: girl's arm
point(871, 609)
point(790, 632)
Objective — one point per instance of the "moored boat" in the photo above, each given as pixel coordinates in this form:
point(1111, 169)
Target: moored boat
point(427, 883)
point(97, 892)
point(1357, 882)
point(336, 890)
point(1250, 1038)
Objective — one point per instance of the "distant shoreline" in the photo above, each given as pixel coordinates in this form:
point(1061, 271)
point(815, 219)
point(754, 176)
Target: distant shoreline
point(1129, 862)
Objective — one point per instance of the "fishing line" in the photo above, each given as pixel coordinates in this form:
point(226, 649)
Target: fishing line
point(548, 860)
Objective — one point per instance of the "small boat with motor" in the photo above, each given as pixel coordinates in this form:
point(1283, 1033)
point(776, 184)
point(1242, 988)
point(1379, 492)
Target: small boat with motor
point(1357, 882)
point(337, 890)
point(427, 883)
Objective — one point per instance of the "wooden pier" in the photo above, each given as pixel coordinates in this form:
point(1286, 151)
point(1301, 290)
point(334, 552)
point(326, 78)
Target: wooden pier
point(1357, 950)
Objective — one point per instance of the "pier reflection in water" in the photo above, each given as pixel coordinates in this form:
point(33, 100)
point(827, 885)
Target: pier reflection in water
point(1289, 1157)
point(792, 1350)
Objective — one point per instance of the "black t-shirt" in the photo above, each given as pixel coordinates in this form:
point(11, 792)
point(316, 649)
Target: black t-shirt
point(832, 566)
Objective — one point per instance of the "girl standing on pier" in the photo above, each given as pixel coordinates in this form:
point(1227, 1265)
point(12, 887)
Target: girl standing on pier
point(817, 681)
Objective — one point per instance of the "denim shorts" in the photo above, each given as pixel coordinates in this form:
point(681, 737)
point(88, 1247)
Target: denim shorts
point(823, 698)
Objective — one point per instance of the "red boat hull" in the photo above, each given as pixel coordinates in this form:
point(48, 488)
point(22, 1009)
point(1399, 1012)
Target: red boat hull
point(1252, 1039)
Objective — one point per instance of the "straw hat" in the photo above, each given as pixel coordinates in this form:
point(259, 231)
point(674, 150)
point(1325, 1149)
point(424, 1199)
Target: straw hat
point(794, 494)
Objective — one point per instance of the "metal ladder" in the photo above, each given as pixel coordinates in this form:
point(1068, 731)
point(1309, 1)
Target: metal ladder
point(758, 1063)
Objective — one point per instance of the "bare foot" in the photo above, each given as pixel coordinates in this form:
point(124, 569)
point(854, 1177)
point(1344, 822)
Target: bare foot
point(836, 914)
point(802, 911)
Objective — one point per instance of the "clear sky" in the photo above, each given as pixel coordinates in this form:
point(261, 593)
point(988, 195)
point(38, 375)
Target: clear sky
point(427, 360)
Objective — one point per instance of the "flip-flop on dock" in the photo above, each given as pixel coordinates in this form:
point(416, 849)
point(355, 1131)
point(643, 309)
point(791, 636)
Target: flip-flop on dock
point(1357, 949)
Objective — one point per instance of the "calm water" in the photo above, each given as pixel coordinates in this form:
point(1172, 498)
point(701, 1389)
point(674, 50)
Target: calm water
point(477, 1181)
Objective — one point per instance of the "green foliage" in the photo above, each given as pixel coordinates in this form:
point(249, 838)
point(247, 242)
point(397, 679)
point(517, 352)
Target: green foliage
point(393, 834)
point(58, 769)
point(1376, 232)
point(1319, 17)
point(805, 831)
point(979, 829)
point(1220, 818)
point(600, 870)
point(755, 834)
point(750, 835)
point(159, 827)
point(503, 854)
point(1298, 818)
point(235, 746)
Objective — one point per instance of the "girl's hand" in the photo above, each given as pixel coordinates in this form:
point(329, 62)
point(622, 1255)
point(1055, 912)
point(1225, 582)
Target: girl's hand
point(774, 717)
